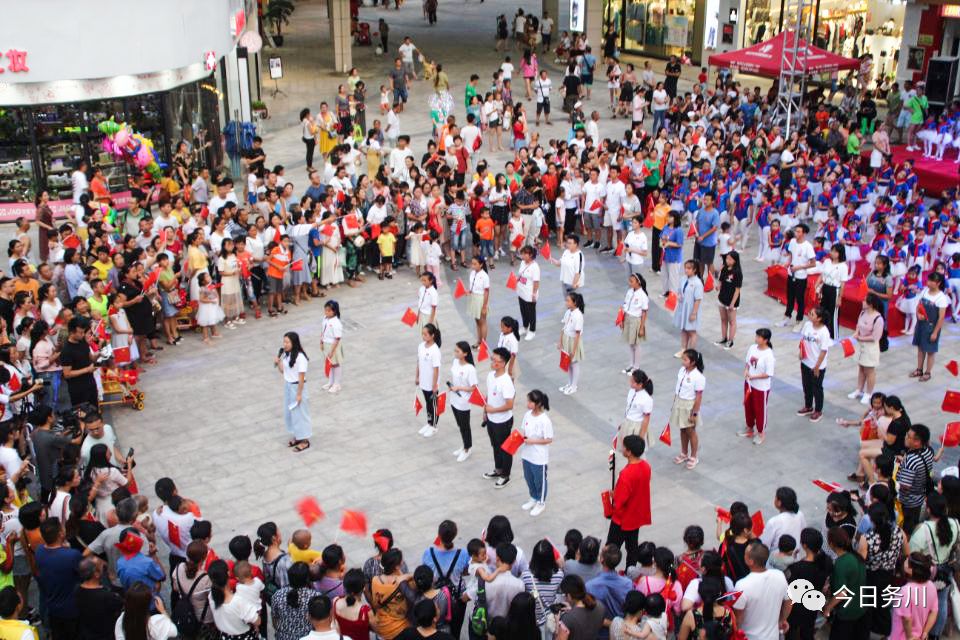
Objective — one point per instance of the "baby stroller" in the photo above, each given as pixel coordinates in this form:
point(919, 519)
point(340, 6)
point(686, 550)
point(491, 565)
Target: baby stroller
point(362, 36)
point(119, 387)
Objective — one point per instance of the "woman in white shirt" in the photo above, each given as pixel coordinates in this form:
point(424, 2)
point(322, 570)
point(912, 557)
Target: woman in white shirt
point(463, 381)
point(510, 340)
point(572, 273)
point(331, 333)
point(687, 399)
point(814, 343)
point(479, 291)
point(427, 301)
point(428, 376)
point(308, 133)
point(833, 275)
point(537, 432)
point(633, 319)
point(757, 373)
point(50, 305)
point(292, 364)
point(235, 618)
point(528, 288)
point(636, 417)
point(136, 616)
point(571, 345)
point(492, 109)
point(634, 246)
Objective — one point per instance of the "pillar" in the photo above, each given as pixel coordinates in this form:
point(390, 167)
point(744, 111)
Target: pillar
point(594, 11)
point(559, 10)
point(912, 16)
point(340, 37)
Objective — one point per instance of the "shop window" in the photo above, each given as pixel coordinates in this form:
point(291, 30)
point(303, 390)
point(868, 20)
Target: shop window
point(16, 161)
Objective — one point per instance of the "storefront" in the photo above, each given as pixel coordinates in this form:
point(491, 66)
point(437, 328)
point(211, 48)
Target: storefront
point(52, 97)
point(932, 35)
point(658, 28)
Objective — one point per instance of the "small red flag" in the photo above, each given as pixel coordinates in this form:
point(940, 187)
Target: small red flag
point(382, 542)
point(296, 265)
point(829, 487)
point(557, 556)
point(564, 361)
point(309, 509)
point(512, 444)
point(151, 279)
point(417, 405)
point(848, 348)
point(803, 349)
point(517, 242)
point(483, 351)
point(951, 402)
point(869, 430)
point(953, 368)
point(723, 515)
point(437, 542)
point(163, 237)
point(512, 281)
point(277, 236)
point(459, 228)
point(121, 355)
point(951, 435)
point(665, 436)
point(476, 398)
point(409, 317)
point(107, 287)
point(354, 523)
point(757, 523)
point(545, 250)
point(15, 385)
point(729, 599)
point(671, 303)
point(620, 317)
point(746, 392)
point(596, 205)
point(619, 251)
point(922, 312)
point(441, 403)
point(459, 291)
point(327, 366)
point(709, 284)
point(692, 231)
point(648, 220)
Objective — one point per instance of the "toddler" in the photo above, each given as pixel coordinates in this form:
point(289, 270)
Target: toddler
point(384, 100)
point(784, 555)
point(299, 547)
point(248, 587)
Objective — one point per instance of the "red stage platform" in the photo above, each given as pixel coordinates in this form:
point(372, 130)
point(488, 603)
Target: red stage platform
point(934, 175)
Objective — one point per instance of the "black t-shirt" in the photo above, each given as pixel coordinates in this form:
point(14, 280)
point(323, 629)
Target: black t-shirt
point(898, 427)
point(800, 617)
point(99, 610)
point(734, 566)
point(47, 446)
point(76, 355)
point(571, 85)
point(257, 156)
point(6, 312)
point(730, 281)
point(412, 633)
point(139, 314)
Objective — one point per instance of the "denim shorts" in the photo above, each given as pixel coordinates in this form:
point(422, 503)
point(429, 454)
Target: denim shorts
point(460, 241)
point(592, 221)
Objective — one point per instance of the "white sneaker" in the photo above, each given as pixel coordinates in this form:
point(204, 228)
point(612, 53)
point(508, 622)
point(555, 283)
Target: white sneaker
point(569, 391)
point(783, 322)
point(429, 432)
point(563, 389)
point(530, 335)
point(526, 506)
point(523, 331)
point(798, 327)
point(230, 325)
point(538, 509)
point(241, 321)
point(458, 451)
point(334, 389)
point(326, 385)
point(865, 400)
point(678, 354)
point(424, 428)
point(853, 395)
point(464, 455)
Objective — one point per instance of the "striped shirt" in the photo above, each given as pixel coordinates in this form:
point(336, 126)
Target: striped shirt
point(912, 476)
point(546, 590)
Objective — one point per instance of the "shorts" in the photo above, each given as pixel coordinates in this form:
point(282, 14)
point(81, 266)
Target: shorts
point(543, 107)
point(400, 96)
point(408, 68)
point(276, 285)
point(869, 354)
point(460, 241)
point(587, 79)
point(500, 215)
point(386, 259)
point(592, 221)
point(706, 254)
point(903, 118)
point(610, 218)
point(547, 38)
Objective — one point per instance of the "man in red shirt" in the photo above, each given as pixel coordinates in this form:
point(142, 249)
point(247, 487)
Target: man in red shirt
point(631, 499)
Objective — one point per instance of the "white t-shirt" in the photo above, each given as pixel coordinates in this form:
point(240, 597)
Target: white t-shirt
point(692, 592)
point(332, 330)
point(635, 240)
point(542, 87)
point(469, 133)
point(406, 51)
point(639, 405)
point(428, 359)
point(80, 184)
point(546, 26)
point(10, 460)
point(689, 383)
point(760, 361)
point(479, 282)
point(291, 372)
point(815, 341)
point(507, 68)
point(527, 275)
point(660, 100)
point(616, 194)
point(639, 106)
point(784, 523)
point(591, 193)
point(393, 126)
point(573, 323)
point(763, 594)
point(509, 342)
point(635, 302)
point(571, 263)
point(159, 627)
point(800, 253)
point(427, 299)
point(536, 427)
point(462, 375)
point(499, 390)
point(235, 617)
point(938, 299)
point(174, 529)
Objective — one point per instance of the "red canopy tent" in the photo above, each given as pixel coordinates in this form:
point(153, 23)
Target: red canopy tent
point(763, 59)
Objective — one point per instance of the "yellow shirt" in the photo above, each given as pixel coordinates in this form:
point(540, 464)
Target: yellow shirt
point(15, 630)
point(197, 259)
point(180, 215)
point(387, 243)
point(302, 555)
point(103, 268)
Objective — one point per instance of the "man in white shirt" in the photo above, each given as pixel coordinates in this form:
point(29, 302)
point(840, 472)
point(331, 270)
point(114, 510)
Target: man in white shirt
point(320, 610)
point(505, 586)
point(200, 189)
point(802, 258)
point(542, 86)
point(593, 128)
point(224, 194)
point(764, 604)
point(407, 49)
point(392, 132)
point(616, 195)
point(546, 31)
point(396, 159)
point(594, 193)
point(499, 410)
point(470, 134)
point(789, 522)
point(507, 68)
point(79, 182)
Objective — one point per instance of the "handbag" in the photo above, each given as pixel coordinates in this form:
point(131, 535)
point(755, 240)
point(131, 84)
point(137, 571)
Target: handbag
point(550, 618)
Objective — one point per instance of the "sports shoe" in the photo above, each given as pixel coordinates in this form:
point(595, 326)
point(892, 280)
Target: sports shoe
point(627, 371)
point(856, 393)
point(563, 389)
point(805, 411)
point(797, 328)
point(865, 400)
point(746, 433)
point(784, 322)
point(326, 385)
point(241, 321)
point(538, 509)
point(758, 439)
point(464, 455)
point(720, 343)
point(429, 432)
point(334, 389)
point(569, 391)
point(424, 428)
point(523, 331)
point(458, 451)
point(728, 346)
point(816, 416)
point(501, 482)
point(490, 475)
point(526, 506)
point(530, 335)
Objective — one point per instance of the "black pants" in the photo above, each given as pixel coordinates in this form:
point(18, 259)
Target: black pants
point(570, 222)
point(880, 620)
point(617, 536)
point(458, 611)
point(63, 628)
point(528, 314)
point(796, 295)
point(432, 16)
point(430, 400)
point(258, 278)
point(911, 518)
point(463, 422)
point(828, 302)
point(311, 144)
point(812, 388)
point(498, 432)
point(657, 249)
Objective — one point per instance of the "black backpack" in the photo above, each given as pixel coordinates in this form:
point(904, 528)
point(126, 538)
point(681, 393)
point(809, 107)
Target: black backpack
point(184, 615)
point(443, 579)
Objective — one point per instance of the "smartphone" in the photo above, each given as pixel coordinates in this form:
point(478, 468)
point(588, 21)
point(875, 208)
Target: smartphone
point(449, 386)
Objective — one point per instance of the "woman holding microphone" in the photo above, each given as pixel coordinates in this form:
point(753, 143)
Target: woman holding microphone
point(428, 375)
point(291, 361)
point(634, 329)
point(463, 378)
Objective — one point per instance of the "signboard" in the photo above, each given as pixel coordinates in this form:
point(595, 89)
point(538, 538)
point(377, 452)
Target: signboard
point(712, 24)
point(276, 68)
point(577, 15)
point(925, 40)
point(677, 27)
point(727, 35)
point(950, 11)
point(10, 211)
point(915, 57)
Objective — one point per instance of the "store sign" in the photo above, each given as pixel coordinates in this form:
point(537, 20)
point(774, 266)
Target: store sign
point(238, 22)
point(17, 61)
point(713, 24)
point(950, 11)
point(210, 61)
point(10, 211)
point(925, 40)
point(577, 15)
point(677, 29)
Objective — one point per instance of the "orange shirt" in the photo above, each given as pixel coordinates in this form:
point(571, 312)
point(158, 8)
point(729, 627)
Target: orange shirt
point(485, 228)
point(279, 259)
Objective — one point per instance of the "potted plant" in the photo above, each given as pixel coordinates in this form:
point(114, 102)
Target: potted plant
point(260, 108)
point(278, 14)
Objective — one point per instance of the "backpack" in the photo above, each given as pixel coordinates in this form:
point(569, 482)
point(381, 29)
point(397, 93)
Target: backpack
point(443, 580)
point(184, 615)
point(716, 629)
point(271, 587)
point(478, 619)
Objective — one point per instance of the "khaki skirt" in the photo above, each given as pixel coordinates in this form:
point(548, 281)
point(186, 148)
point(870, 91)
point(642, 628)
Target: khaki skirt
point(631, 428)
point(475, 306)
point(336, 356)
point(680, 413)
point(631, 330)
point(567, 342)
point(423, 319)
point(869, 354)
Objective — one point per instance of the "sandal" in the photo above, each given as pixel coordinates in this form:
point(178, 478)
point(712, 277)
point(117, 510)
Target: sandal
point(925, 377)
point(302, 445)
point(855, 477)
point(293, 443)
point(680, 459)
point(916, 373)
point(692, 462)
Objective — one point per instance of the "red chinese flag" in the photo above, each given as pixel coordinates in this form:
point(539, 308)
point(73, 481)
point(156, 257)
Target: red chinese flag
point(354, 523)
point(951, 436)
point(107, 287)
point(665, 436)
point(951, 402)
point(746, 392)
point(692, 231)
point(729, 599)
point(803, 349)
point(620, 316)
point(619, 251)
point(848, 348)
point(409, 317)
point(545, 252)
point(557, 556)
point(829, 487)
point(163, 237)
point(417, 405)
point(512, 444)
point(460, 290)
point(723, 515)
point(277, 236)
point(709, 284)
point(296, 265)
point(459, 228)
point(596, 206)
point(517, 242)
point(648, 220)
point(757, 523)
point(351, 223)
point(869, 430)
point(564, 361)
point(327, 365)
point(151, 279)
point(374, 231)
point(512, 281)
point(173, 533)
point(476, 398)
point(483, 351)
point(953, 368)
point(862, 288)
point(441, 403)
point(383, 542)
point(121, 355)
point(309, 510)
point(671, 303)
point(437, 542)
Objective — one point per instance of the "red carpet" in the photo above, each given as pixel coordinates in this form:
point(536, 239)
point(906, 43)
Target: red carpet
point(935, 176)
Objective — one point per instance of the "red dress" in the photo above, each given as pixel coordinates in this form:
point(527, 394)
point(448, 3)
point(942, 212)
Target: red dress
point(358, 629)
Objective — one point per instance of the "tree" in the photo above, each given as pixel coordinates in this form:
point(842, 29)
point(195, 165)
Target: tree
point(278, 13)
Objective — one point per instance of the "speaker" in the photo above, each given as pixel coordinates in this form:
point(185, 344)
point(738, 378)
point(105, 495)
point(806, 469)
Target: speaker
point(941, 76)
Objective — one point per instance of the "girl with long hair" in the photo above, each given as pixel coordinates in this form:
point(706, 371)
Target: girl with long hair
point(815, 342)
point(510, 340)
point(289, 604)
point(728, 299)
point(584, 619)
point(571, 344)
point(428, 375)
point(542, 579)
point(636, 417)
point(235, 618)
point(687, 399)
point(137, 623)
point(331, 345)
point(463, 381)
point(428, 301)
point(537, 432)
point(103, 478)
point(758, 371)
point(479, 301)
point(634, 319)
point(292, 363)
point(354, 617)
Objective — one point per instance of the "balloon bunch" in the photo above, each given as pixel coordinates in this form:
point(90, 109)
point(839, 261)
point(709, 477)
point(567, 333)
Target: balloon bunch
point(123, 143)
point(110, 214)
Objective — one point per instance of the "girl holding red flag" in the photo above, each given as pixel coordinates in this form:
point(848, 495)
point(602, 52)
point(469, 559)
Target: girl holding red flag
point(571, 340)
point(687, 398)
point(757, 373)
point(463, 381)
point(479, 291)
point(428, 375)
point(330, 343)
point(537, 431)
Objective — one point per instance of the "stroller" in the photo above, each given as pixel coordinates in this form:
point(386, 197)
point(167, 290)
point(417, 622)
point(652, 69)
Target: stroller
point(362, 36)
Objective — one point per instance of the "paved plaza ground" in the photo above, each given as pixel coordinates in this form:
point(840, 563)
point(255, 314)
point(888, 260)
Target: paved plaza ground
point(214, 422)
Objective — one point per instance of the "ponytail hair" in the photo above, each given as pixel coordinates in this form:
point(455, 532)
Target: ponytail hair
point(540, 399)
point(464, 346)
point(640, 377)
point(696, 358)
point(640, 280)
point(432, 278)
point(219, 575)
point(265, 535)
point(812, 539)
point(577, 300)
point(513, 325)
point(298, 575)
point(574, 587)
point(434, 332)
point(479, 261)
